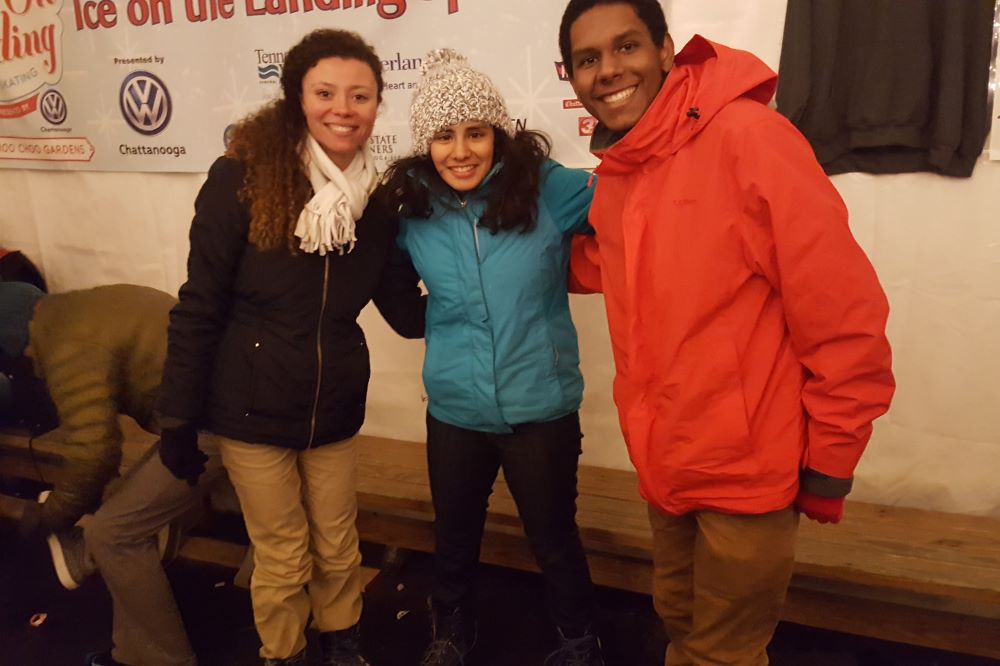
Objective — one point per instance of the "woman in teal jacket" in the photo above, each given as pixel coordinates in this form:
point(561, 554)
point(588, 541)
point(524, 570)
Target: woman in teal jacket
point(487, 219)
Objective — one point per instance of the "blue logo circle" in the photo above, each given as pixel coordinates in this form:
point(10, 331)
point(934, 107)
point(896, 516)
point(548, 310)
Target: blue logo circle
point(145, 103)
point(53, 107)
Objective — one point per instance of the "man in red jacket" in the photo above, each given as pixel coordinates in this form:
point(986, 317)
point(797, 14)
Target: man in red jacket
point(748, 326)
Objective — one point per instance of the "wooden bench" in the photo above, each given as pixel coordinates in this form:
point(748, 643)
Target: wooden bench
point(919, 577)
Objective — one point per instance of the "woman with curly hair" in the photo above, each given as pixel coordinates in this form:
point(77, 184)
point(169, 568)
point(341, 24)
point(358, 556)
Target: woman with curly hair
point(487, 219)
point(265, 355)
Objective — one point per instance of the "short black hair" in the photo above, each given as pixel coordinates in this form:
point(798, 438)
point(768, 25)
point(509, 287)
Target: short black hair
point(649, 11)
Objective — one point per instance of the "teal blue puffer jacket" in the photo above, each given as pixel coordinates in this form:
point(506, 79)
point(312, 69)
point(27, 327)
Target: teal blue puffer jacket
point(501, 347)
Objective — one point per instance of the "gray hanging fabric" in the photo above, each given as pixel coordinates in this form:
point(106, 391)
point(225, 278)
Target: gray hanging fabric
point(993, 67)
point(884, 86)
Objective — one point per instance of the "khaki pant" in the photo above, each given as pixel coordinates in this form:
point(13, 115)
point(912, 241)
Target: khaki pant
point(719, 582)
point(121, 540)
point(300, 509)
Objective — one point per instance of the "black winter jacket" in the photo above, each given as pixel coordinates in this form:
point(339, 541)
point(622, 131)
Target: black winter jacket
point(264, 347)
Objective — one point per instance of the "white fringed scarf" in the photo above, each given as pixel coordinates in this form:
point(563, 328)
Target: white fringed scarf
point(327, 221)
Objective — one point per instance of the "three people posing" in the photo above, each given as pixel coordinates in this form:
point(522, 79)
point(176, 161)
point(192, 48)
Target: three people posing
point(748, 330)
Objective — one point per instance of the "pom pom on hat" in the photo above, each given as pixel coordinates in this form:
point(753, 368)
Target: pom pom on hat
point(439, 58)
point(452, 92)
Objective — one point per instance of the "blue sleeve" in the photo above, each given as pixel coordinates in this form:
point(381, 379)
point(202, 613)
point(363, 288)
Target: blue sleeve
point(567, 194)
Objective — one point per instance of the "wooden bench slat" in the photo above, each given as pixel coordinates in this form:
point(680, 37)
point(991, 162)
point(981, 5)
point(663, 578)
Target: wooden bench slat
point(894, 622)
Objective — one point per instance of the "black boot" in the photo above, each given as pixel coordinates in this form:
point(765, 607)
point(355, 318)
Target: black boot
point(453, 637)
point(295, 660)
point(577, 648)
point(342, 648)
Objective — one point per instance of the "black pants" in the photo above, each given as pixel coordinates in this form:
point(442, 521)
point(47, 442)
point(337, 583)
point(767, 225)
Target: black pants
point(539, 462)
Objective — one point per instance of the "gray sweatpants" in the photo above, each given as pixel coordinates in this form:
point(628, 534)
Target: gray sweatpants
point(120, 541)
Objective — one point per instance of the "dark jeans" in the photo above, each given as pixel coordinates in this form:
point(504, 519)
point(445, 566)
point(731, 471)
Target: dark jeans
point(539, 462)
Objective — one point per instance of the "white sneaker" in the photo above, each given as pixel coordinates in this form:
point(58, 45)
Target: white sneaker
point(168, 542)
point(66, 549)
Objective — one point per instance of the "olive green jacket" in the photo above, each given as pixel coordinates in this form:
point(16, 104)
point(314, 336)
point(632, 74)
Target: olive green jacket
point(101, 353)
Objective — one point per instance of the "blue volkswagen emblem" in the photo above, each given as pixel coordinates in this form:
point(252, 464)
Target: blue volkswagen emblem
point(145, 103)
point(53, 107)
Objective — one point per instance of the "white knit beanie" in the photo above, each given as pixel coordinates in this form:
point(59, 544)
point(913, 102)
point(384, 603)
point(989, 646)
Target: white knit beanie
point(452, 92)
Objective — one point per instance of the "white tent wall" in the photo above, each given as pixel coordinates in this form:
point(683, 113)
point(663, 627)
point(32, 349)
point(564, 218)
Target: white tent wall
point(935, 243)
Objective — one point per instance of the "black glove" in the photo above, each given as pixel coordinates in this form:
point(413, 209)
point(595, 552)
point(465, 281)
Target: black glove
point(180, 454)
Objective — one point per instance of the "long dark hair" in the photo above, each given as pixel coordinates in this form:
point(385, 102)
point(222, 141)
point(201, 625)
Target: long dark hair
point(268, 141)
point(511, 196)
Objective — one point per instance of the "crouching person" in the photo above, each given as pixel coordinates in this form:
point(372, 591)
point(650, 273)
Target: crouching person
point(95, 354)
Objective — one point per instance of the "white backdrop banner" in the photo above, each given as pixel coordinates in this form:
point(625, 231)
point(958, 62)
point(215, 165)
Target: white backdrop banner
point(153, 85)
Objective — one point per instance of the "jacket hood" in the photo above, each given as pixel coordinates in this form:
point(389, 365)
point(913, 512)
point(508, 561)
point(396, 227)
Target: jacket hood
point(705, 78)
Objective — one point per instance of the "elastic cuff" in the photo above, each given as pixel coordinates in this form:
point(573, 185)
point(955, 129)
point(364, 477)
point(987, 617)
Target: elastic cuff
point(821, 485)
point(165, 422)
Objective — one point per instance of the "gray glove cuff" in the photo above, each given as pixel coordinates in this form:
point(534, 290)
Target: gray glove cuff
point(821, 485)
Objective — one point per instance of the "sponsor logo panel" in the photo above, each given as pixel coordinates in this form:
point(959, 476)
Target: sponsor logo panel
point(265, 72)
point(53, 107)
point(31, 49)
point(269, 66)
point(18, 109)
point(145, 103)
point(401, 72)
point(385, 149)
point(561, 71)
point(46, 149)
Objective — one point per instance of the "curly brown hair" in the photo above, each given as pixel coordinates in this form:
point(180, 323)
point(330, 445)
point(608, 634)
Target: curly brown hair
point(268, 142)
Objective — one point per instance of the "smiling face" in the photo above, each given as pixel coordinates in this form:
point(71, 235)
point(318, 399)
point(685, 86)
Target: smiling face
point(617, 69)
point(339, 102)
point(463, 154)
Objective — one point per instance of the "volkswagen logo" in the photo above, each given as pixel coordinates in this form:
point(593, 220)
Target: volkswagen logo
point(145, 103)
point(53, 107)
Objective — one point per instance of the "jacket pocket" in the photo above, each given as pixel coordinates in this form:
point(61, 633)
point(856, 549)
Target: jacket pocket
point(449, 378)
point(232, 375)
point(700, 434)
point(282, 377)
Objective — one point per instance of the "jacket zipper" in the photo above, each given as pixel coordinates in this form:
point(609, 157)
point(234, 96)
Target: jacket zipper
point(475, 228)
point(319, 350)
